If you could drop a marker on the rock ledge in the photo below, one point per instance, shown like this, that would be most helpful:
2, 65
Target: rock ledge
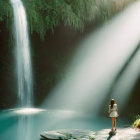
74, 134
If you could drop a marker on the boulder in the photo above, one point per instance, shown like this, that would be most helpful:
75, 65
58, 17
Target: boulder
74, 134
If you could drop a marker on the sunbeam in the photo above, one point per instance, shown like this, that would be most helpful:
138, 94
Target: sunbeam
98, 60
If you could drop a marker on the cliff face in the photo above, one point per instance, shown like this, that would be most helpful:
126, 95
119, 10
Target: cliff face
133, 105
7, 78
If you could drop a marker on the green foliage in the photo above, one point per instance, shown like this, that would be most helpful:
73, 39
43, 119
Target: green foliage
5, 11
44, 15
47, 14
136, 123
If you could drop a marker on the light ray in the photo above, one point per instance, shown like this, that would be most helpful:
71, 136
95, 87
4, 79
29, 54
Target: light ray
98, 60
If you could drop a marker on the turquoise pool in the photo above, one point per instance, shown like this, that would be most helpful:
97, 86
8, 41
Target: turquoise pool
21, 124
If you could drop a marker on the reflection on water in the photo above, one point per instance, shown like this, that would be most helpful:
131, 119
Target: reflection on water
15, 126
24, 128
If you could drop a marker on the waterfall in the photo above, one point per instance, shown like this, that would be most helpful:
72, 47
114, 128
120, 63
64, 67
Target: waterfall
22, 55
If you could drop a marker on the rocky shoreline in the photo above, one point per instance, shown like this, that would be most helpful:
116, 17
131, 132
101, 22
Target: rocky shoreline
76, 134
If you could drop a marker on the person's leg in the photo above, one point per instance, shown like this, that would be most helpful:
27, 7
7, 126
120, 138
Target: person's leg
112, 123
115, 123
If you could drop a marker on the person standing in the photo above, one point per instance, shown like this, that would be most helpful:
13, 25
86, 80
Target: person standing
113, 113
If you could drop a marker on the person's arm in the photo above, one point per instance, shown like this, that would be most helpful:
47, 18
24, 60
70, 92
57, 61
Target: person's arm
116, 108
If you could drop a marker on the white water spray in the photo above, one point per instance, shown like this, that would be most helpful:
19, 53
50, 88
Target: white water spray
22, 53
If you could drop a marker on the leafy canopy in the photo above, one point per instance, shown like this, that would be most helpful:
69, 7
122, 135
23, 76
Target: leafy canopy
47, 14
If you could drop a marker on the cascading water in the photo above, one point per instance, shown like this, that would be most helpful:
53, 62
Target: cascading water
22, 53
23, 67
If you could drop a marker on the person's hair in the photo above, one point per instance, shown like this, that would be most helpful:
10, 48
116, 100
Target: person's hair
112, 102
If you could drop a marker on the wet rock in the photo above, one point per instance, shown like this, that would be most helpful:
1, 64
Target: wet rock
75, 134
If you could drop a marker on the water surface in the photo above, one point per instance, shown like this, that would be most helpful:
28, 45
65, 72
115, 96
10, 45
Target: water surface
18, 124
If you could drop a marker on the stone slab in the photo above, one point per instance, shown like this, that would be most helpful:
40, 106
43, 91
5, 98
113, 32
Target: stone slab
74, 134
